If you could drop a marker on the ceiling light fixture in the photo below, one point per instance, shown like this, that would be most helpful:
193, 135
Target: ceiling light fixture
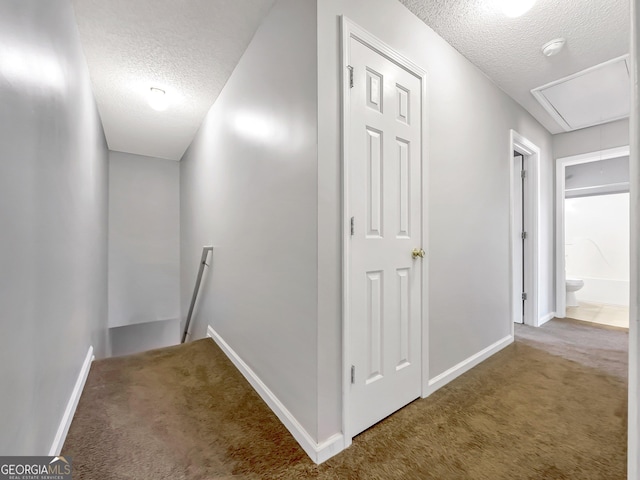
553, 47
158, 99
515, 8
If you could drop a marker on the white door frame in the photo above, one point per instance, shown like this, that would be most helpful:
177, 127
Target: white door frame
561, 165
352, 30
520, 144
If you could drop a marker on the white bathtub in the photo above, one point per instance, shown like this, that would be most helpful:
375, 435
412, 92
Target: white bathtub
602, 290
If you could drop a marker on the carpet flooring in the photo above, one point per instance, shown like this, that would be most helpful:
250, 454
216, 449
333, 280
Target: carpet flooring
532, 411
602, 347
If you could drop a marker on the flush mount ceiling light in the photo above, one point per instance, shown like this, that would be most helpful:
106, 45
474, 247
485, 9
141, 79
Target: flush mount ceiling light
514, 8
158, 99
553, 47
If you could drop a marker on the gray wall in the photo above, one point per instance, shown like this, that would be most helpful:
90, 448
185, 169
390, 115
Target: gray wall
140, 337
53, 217
271, 206
592, 139
468, 195
249, 188
144, 239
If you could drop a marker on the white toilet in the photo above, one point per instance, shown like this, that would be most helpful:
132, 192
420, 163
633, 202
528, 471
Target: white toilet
573, 285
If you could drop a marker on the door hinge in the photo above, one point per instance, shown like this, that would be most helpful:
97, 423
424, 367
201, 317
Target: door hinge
524, 296
523, 174
524, 235
353, 374
353, 225
350, 68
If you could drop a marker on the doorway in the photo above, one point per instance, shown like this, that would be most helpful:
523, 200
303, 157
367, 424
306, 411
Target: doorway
592, 235
384, 238
524, 174
520, 254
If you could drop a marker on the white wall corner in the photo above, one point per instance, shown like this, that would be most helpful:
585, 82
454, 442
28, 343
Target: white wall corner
545, 318
633, 446
318, 452
454, 372
72, 404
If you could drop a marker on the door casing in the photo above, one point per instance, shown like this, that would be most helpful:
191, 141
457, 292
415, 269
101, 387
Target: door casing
351, 30
520, 246
531, 152
561, 165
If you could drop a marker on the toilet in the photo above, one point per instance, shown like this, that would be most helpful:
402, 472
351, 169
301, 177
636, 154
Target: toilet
573, 285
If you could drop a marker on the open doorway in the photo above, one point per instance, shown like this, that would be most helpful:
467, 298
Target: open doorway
520, 222
524, 230
592, 201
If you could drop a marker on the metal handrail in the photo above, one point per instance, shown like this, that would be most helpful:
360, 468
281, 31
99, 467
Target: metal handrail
203, 263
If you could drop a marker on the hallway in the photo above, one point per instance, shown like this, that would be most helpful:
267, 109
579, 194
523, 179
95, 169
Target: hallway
133, 134
551, 406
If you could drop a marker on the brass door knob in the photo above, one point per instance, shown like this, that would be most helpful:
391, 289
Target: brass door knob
417, 252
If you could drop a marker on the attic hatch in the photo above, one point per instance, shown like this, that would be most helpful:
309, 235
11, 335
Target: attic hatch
594, 96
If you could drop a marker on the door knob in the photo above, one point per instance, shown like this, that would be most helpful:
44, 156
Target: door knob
417, 252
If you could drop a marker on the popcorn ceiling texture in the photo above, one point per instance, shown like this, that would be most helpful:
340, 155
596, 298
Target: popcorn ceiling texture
190, 47
186, 47
507, 50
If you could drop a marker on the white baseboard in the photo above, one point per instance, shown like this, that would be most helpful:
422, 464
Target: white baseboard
544, 319
318, 452
466, 365
65, 423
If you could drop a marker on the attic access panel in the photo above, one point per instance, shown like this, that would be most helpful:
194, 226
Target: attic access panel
594, 96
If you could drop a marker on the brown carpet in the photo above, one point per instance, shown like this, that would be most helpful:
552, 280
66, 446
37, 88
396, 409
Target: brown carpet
185, 413
602, 347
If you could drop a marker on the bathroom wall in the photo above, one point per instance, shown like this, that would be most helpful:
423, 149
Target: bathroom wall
602, 177
597, 247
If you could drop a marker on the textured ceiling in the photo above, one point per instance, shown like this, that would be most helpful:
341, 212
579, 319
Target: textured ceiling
186, 47
507, 50
190, 47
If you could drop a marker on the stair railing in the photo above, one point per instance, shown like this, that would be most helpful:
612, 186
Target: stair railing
203, 263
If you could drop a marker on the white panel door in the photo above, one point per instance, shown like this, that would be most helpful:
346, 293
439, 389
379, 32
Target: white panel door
384, 163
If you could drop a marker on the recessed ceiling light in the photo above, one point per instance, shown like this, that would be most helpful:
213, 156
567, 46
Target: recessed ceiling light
158, 99
553, 47
515, 8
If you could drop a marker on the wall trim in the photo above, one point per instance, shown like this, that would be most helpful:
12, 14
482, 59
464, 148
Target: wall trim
72, 404
532, 155
318, 452
454, 372
545, 318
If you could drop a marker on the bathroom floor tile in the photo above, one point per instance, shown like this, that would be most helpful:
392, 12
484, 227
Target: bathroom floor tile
613, 315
